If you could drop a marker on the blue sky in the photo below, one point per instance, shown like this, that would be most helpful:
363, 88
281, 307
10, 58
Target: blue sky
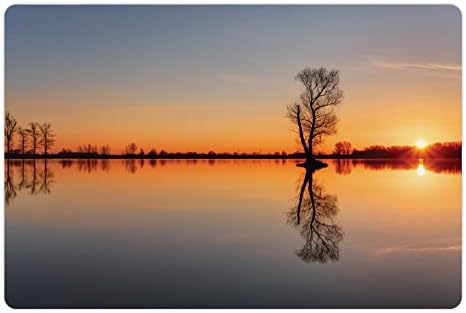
63, 62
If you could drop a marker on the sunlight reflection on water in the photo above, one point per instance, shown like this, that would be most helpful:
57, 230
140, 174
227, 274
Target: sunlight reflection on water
146, 233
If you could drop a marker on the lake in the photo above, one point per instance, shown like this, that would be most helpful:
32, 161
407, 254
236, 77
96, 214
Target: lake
232, 233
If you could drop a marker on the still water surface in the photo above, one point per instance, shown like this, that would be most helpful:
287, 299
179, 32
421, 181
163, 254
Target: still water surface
232, 233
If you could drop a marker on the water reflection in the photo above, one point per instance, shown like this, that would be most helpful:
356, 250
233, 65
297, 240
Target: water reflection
109, 226
130, 165
421, 171
314, 217
46, 179
87, 165
447, 166
35, 177
10, 189
343, 166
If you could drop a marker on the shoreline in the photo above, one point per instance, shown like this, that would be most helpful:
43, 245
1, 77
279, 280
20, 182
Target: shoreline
246, 157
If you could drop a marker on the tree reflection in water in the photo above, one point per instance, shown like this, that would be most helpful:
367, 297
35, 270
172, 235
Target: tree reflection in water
46, 179
33, 178
130, 165
87, 165
314, 216
10, 189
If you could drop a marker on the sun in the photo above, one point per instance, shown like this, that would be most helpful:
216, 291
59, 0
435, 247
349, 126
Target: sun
421, 143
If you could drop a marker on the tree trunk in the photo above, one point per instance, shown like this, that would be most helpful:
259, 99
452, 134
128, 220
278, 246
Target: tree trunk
310, 158
301, 134
301, 194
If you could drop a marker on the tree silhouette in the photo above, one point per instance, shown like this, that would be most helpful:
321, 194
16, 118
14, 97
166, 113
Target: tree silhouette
47, 136
34, 133
105, 150
10, 129
314, 112
131, 149
314, 217
87, 149
152, 153
23, 139
343, 148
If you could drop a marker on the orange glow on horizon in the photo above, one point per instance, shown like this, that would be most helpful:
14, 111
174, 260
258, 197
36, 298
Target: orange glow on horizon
178, 94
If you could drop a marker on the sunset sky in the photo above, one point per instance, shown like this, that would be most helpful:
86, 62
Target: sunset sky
219, 78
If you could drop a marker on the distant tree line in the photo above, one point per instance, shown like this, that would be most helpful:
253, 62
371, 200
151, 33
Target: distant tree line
437, 150
131, 151
36, 139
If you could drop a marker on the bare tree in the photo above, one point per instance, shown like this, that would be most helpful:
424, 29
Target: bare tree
23, 137
314, 112
47, 136
131, 149
105, 150
33, 132
10, 130
88, 149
